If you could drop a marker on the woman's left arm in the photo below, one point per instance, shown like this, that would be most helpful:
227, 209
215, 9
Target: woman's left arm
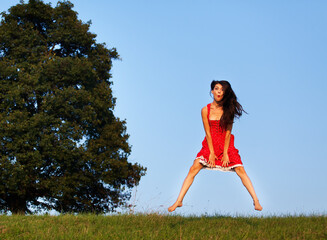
225, 159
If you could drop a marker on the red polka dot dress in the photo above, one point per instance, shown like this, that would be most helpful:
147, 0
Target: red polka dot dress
218, 140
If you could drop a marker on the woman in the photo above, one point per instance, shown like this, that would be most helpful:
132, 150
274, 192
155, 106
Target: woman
218, 151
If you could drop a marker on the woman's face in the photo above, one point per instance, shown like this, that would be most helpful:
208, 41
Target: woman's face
218, 92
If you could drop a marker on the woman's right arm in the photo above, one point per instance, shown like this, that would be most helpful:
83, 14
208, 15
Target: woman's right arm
212, 156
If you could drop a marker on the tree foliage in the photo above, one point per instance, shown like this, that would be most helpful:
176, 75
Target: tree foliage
61, 147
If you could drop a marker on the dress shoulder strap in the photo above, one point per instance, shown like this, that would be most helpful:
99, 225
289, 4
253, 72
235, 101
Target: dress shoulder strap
208, 106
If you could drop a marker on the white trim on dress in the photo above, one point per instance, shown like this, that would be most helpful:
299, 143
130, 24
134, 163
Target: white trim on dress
206, 165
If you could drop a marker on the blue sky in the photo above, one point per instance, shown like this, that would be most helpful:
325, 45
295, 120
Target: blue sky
274, 54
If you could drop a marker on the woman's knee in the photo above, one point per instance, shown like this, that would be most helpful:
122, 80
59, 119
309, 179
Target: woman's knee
240, 171
193, 169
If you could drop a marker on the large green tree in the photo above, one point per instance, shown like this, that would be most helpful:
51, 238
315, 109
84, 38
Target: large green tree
61, 147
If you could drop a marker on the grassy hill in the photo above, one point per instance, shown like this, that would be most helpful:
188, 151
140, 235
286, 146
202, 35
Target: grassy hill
154, 226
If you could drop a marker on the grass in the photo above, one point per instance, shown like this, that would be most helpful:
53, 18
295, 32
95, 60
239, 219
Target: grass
157, 226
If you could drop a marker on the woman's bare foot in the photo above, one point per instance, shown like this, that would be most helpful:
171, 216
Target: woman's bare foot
257, 205
174, 206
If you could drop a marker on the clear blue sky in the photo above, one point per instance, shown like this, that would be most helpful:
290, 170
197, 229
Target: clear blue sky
274, 53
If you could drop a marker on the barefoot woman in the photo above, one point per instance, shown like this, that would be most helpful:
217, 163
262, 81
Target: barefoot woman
218, 151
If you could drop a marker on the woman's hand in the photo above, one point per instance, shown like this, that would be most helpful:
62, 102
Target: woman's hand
212, 158
225, 160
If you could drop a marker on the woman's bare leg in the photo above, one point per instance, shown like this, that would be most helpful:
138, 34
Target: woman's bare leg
248, 184
196, 167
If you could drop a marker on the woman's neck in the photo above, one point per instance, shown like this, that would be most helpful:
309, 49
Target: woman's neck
216, 104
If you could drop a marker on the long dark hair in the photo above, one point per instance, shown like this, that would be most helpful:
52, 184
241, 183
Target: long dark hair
231, 107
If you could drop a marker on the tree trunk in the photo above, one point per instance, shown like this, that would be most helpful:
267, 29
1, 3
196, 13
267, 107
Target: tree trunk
18, 206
